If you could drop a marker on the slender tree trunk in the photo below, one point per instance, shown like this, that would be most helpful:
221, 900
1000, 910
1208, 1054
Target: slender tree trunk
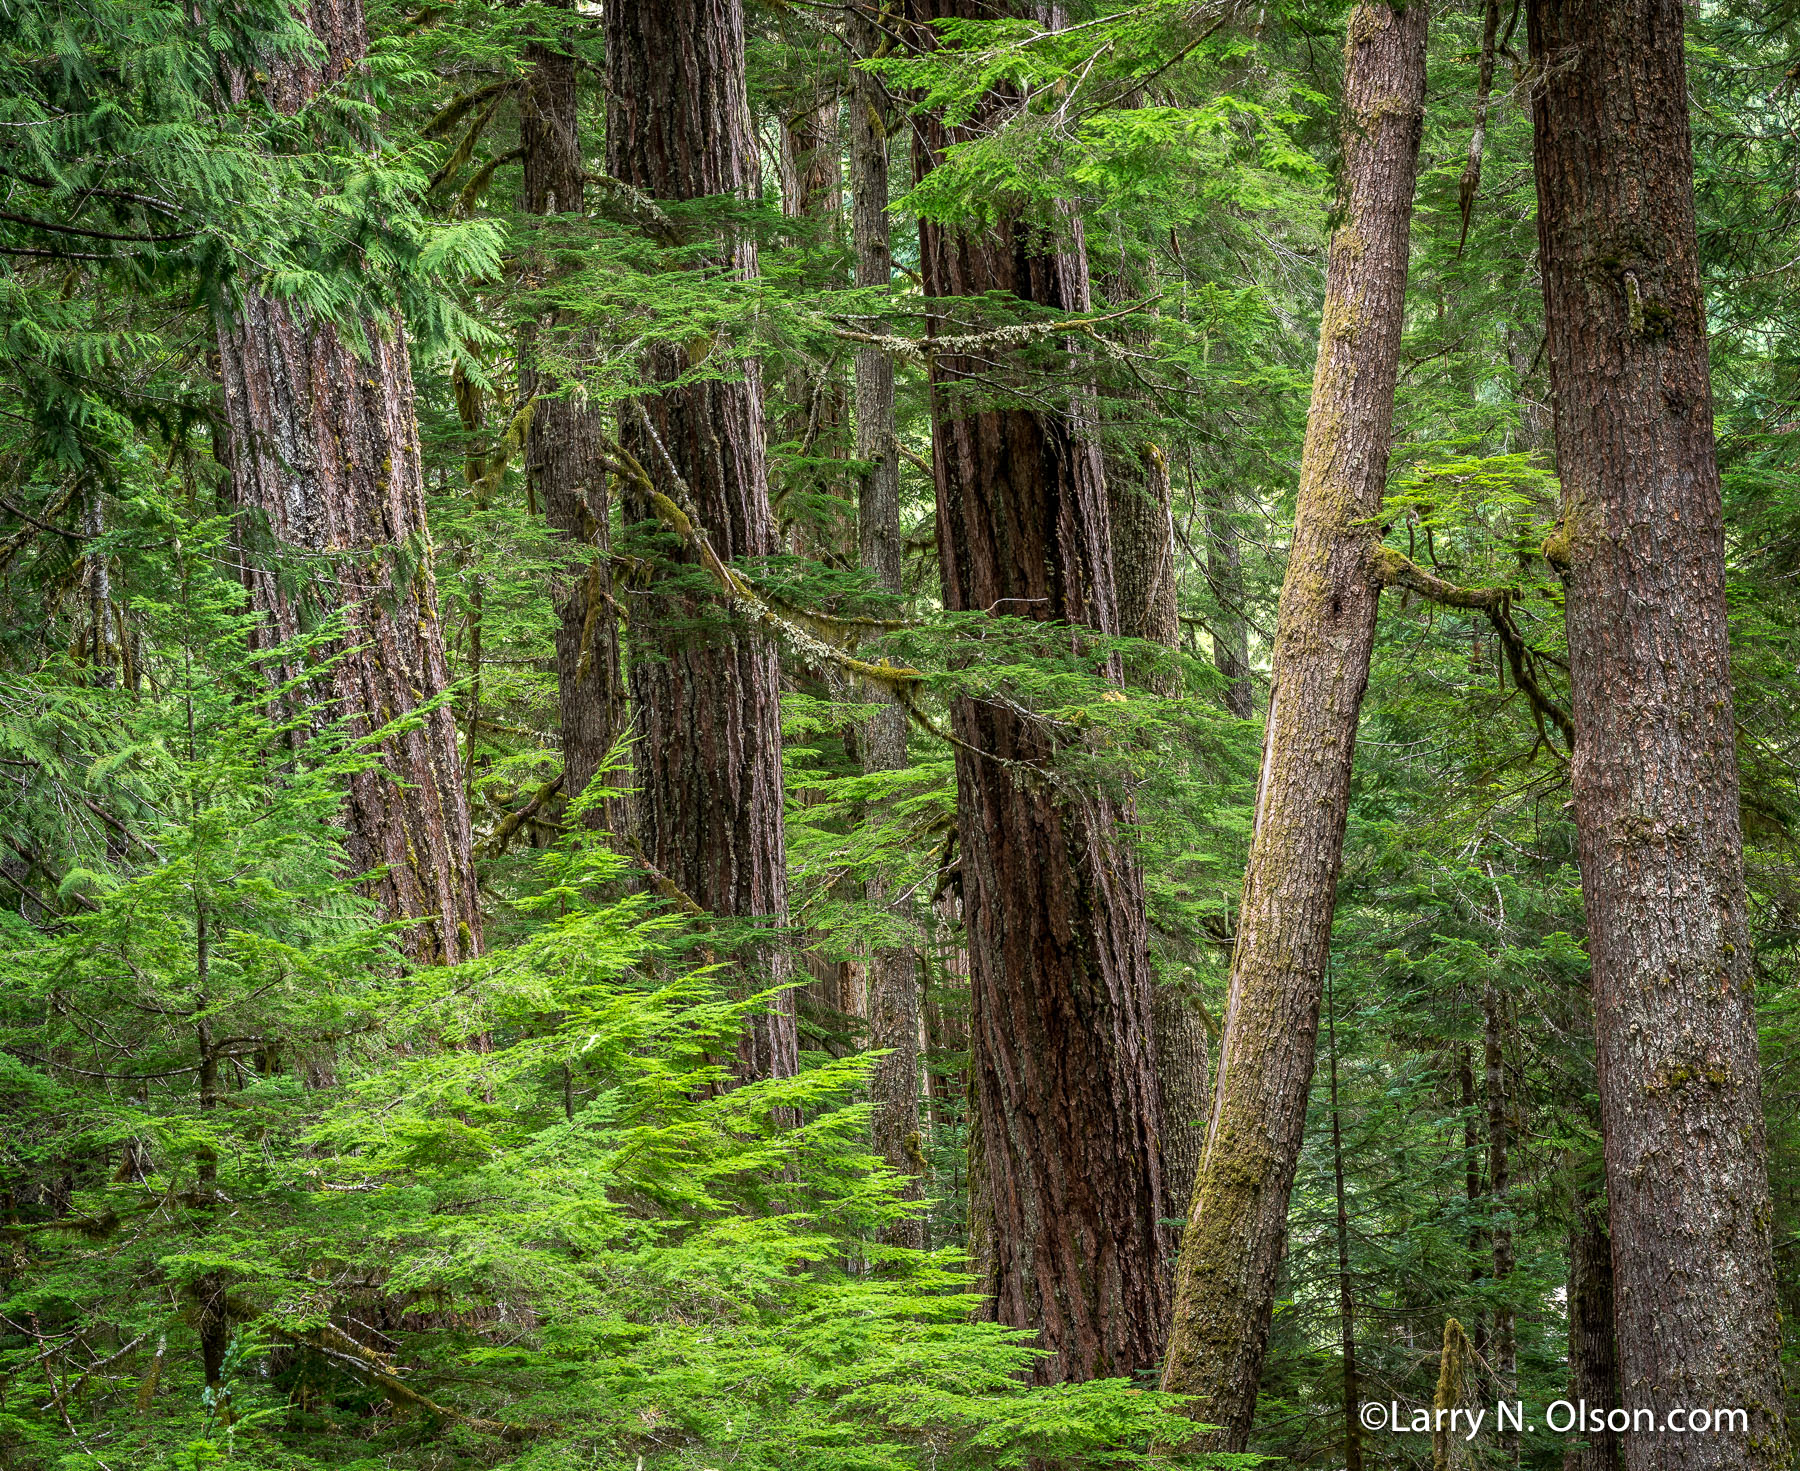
893, 971
1470, 184
1143, 541
1642, 553
563, 459
1062, 1052
1500, 1235
1472, 1188
1237, 1227
324, 449
1225, 575
1593, 1359
1346, 1298
812, 196
704, 690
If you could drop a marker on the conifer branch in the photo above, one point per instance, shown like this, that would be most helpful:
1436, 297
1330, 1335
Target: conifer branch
737, 589
347, 1351
1393, 569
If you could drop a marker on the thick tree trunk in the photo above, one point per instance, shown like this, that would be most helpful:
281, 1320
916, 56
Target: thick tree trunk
704, 690
1642, 552
1237, 1225
893, 972
324, 448
1143, 543
1593, 1361
1063, 1059
563, 459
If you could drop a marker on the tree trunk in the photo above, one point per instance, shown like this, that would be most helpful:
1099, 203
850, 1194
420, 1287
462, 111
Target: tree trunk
893, 972
563, 459
1593, 1361
704, 689
1237, 1227
324, 448
1654, 775
1346, 1297
1500, 1236
1143, 542
1062, 1052
1225, 575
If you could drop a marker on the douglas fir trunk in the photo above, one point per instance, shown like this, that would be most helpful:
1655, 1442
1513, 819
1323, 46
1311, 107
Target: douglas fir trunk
893, 972
1641, 549
1065, 1076
563, 459
324, 451
1237, 1225
704, 690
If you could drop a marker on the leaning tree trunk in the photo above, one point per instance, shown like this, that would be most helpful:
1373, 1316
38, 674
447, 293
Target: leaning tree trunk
1641, 549
893, 970
563, 457
704, 689
1064, 1069
1237, 1225
324, 451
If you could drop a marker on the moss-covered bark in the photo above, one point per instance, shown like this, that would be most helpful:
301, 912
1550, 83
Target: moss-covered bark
1237, 1222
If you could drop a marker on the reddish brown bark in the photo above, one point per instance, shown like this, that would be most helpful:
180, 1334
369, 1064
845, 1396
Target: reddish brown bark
1641, 548
563, 459
1064, 1068
703, 689
894, 991
324, 449
1237, 1224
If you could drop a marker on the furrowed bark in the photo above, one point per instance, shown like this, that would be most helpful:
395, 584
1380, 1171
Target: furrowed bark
564, 461
324, 449
704, 688
1654, 774
1143, 542
1237, 1224
894, 992
1064, 1068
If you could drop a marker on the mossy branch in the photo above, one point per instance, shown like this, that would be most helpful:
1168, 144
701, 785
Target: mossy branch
513, 821
333, 1343
736, 588
964, 344
1395, 570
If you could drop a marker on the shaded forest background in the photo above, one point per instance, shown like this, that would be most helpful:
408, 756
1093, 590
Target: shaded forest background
487, 970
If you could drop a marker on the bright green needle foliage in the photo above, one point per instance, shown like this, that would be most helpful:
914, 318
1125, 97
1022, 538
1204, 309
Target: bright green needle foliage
504, 1214
270, 1199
